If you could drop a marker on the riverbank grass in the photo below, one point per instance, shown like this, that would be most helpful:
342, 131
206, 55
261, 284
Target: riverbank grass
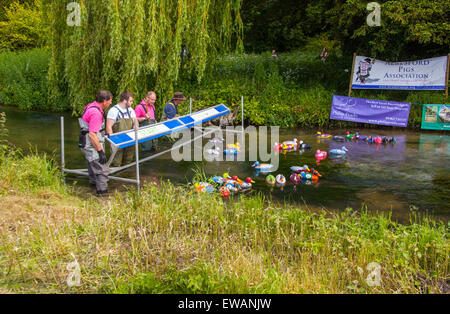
170, 240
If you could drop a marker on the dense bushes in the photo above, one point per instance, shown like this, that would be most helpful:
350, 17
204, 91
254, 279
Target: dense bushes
22, 26
23, 77
294, 90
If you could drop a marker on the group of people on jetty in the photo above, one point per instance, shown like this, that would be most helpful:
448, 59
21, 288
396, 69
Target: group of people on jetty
121, 117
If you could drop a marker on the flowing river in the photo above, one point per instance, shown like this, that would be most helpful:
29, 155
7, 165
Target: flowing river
412, 175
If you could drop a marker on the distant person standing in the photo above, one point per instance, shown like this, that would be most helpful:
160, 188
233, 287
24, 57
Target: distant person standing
171, 108
324, 54
274, 54
145, 112
121, 118
92, 141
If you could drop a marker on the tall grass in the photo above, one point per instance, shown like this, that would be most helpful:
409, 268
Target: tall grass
170, 240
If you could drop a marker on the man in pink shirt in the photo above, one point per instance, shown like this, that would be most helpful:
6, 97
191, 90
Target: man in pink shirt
145, 113
92, 141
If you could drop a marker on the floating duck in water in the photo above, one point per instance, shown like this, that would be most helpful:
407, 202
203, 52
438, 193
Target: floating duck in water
215, 151
321, 154
375, 139
280, 179
236, 145
287, 145
302, 145
262, 167
308, 176
270, 180
386, 140
298, 169
231, 151
305, 173
295, 178
320, 135
341, 151
338, 138
351, 136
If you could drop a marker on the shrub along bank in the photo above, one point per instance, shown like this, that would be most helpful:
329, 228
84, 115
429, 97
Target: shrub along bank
294, 90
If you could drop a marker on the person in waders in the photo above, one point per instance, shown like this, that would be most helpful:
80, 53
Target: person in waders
145, 113
120, 118
171, 109
92, 141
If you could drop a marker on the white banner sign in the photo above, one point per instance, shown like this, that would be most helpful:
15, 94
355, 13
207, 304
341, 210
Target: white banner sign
421, 74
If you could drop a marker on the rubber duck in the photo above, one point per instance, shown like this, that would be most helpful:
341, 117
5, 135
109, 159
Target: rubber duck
321, 154
349, 136
320, 135
224, 191
338, 138
215, 151
231, 186
280, 179
302, 145
287, 145
231, 151
270, 180
236, 146
341, 151
298, 169
375, 139
203, 187
235, 178
308, 176
262, 167
295, 178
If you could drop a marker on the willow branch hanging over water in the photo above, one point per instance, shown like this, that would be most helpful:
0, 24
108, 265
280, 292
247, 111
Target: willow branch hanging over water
135, 45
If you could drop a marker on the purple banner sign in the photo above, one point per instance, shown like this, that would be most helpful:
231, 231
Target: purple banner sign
371, 111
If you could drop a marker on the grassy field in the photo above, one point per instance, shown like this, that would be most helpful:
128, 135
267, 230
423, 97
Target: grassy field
170, 240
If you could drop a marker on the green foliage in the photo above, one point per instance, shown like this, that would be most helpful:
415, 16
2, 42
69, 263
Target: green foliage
23, 26
135, 45
28, 173
23, 80
409, 29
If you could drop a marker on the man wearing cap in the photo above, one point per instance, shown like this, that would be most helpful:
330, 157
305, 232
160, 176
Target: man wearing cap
171, 108
92, 141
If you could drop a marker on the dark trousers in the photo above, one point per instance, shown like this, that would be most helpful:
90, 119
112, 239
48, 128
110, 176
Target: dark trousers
98, 175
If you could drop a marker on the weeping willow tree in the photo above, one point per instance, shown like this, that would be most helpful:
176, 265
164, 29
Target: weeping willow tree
135, 45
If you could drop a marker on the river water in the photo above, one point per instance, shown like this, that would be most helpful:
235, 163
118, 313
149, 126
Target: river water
412, 175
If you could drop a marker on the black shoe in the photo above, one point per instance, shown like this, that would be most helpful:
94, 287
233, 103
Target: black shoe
104, 192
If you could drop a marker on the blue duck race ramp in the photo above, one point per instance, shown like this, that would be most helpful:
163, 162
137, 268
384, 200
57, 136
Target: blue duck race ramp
150, 132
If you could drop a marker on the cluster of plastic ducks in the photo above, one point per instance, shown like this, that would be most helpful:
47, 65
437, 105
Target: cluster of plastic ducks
225, 184
299, 174
231, 149
369, 139
293, 145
